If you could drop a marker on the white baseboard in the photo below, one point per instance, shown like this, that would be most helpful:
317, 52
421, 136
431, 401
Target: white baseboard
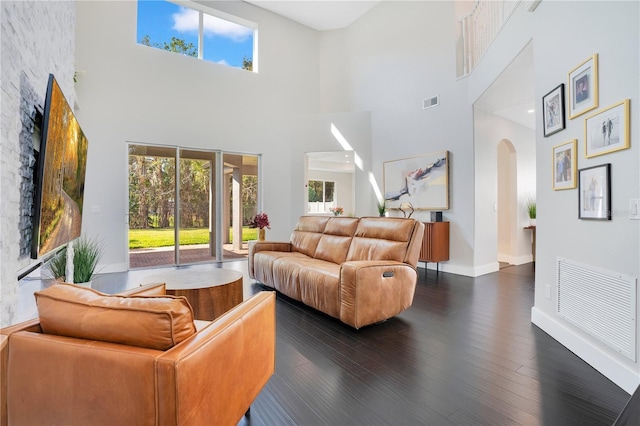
462, 270
486, 269
521, 260
598, 358
515, 260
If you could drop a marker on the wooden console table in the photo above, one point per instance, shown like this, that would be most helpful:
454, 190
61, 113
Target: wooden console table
210, 293
435, 243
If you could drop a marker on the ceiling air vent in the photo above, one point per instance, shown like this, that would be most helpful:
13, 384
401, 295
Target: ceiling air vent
431, 102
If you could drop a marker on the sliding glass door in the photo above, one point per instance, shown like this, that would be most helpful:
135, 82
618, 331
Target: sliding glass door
197, 212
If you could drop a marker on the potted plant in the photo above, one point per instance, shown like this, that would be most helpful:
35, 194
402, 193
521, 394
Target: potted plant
337, 211
531, 211
382, 209
86, 254
261, 221
58, 265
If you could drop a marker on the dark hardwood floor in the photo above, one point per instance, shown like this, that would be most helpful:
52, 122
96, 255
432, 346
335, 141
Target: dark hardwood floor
465, 353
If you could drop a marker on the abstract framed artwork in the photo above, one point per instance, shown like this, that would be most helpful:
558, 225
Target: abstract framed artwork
553, 111
607, 130
594, 193
564, 165
421, 182
583, 87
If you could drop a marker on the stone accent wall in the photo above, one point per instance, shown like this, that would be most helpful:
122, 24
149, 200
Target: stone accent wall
29, 102
37, 38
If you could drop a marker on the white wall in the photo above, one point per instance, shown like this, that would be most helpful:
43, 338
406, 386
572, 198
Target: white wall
312, 133
37, 39
610, 29
387, 62
130, 92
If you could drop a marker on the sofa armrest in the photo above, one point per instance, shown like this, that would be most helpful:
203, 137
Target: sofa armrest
59, 380
217, 373
32, 325
258, 246
372, 291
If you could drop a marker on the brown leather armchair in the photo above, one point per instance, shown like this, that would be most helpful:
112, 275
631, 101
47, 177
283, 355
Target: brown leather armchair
211, 377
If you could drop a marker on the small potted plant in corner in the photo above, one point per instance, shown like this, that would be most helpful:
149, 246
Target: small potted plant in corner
382, 209
261, 221
58, 265
531, 211
86, 254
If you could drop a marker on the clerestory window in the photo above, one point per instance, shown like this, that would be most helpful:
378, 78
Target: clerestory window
194, 30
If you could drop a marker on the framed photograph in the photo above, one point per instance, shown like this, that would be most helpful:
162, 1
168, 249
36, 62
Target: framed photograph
419, 182
583, 87
565, 165
594, 193
607, 130
553, 111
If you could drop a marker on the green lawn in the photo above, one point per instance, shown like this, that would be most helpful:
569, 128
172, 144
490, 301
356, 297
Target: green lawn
147, 238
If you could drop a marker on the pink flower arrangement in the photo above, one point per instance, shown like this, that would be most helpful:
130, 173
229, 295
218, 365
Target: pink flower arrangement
336, 210
261, 221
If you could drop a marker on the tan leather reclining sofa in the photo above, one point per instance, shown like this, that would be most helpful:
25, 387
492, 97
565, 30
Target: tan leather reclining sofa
359, 270
166, 369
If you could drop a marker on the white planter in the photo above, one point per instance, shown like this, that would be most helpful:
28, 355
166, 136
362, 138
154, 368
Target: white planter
87, 284
532, 222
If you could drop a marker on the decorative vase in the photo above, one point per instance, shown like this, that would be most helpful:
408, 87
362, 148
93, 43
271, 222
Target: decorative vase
261, 233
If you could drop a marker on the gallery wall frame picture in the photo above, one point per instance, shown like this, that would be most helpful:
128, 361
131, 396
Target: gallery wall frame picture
583, 87
565, 165
594, 192
553, 114
607, 130
422, 181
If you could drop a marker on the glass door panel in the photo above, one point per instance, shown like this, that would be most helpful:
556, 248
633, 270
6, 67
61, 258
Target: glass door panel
151, 206
240, 203
196, 235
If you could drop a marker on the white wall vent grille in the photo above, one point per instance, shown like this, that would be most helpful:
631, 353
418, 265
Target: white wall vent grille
602, 303
431, 102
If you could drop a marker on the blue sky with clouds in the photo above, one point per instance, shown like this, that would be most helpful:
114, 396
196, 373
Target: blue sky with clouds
224, 42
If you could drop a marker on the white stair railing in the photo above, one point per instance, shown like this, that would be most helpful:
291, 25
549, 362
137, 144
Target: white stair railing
480, 27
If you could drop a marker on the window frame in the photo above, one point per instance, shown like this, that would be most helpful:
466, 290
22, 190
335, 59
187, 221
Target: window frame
202, 9
326, 205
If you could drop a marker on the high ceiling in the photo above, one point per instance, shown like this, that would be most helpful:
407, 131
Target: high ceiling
321, 15
510, 96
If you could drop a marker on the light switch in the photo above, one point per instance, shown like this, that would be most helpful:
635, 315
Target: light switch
95, 209
634, 209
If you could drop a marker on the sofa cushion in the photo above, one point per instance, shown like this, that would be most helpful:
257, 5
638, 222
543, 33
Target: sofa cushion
381, 239
334, 244
155, 322
307, 233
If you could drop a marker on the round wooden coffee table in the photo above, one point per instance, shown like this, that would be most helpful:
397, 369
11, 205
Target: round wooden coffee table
210, 293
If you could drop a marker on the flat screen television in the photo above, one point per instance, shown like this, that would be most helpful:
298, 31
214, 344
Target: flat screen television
60, 175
